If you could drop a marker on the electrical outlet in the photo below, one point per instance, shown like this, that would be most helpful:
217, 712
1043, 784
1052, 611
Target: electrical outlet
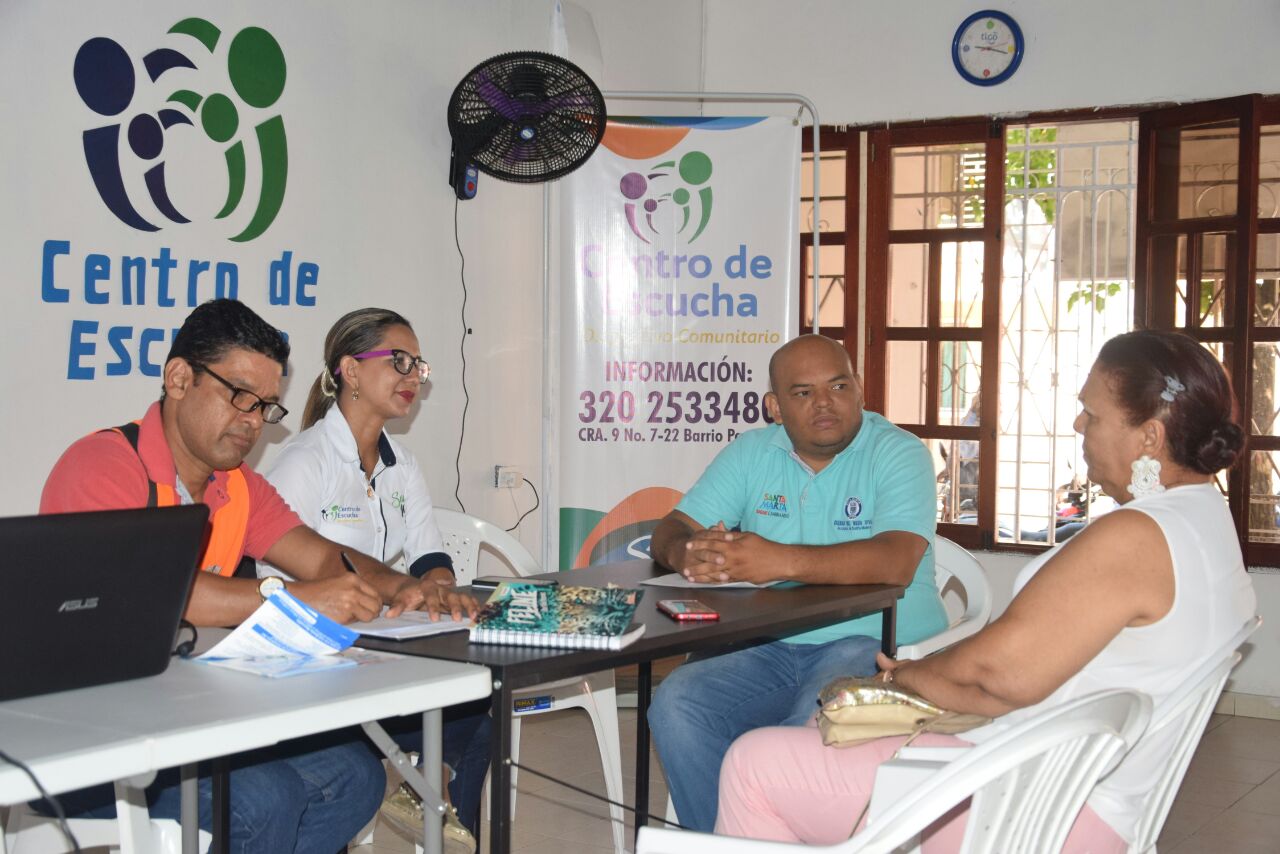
506, 477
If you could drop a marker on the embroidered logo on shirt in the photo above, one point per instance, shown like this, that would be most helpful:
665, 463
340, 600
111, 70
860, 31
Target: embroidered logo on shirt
397, 501
340, 513
851, 522
773, 504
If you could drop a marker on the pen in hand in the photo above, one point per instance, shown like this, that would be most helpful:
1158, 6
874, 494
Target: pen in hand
351, 568
346, 561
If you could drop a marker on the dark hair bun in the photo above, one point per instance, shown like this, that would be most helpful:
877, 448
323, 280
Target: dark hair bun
1169, 376
1219, 449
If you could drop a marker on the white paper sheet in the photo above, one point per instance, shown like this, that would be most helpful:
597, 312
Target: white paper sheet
410, 624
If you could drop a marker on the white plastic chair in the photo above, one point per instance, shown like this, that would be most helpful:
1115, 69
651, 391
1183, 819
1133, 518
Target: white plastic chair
463, 536
1186, 713
133, 830
954, 566
1027, 785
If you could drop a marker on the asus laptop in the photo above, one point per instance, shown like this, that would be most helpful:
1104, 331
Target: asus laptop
92, 598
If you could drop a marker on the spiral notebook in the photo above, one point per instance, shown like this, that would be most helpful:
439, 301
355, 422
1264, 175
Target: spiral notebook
566, 616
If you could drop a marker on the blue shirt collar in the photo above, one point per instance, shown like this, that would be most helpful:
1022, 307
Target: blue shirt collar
783, 442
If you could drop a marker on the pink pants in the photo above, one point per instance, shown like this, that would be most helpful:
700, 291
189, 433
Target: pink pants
782, 784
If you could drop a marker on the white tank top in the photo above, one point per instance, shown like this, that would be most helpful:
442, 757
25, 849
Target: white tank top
1212, 599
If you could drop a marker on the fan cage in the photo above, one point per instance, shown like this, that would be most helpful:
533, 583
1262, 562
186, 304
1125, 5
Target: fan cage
526, 117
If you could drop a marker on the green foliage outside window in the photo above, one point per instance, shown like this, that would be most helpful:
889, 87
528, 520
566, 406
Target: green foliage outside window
1093, 294
1028, 168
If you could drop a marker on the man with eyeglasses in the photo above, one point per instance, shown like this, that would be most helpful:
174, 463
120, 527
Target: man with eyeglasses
221, 384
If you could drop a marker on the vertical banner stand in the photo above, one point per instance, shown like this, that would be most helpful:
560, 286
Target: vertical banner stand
550, 489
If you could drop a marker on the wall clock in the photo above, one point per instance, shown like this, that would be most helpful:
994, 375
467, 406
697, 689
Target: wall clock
987, 48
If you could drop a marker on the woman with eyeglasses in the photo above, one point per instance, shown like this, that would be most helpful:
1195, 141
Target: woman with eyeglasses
351, 482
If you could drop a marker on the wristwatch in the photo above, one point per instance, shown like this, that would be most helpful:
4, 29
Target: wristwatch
270, 585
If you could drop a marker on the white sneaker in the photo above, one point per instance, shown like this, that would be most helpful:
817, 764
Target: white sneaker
402, 809
457, 839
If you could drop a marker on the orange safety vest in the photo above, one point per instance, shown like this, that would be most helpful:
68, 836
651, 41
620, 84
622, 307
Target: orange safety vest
226, 541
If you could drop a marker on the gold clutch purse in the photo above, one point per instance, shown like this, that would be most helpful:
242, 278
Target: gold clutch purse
856, 709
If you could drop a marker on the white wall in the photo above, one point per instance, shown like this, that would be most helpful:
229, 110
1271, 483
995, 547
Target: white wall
861, 62
869, 61
367, 200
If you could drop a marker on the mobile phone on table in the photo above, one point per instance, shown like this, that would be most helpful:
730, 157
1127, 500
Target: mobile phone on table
687, 609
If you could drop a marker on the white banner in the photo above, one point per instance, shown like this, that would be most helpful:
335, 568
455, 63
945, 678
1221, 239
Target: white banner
680, 250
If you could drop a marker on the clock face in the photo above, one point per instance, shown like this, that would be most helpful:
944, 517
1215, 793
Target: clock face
987, 48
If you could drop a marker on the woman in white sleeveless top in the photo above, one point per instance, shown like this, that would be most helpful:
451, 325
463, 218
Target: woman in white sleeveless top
1136, 600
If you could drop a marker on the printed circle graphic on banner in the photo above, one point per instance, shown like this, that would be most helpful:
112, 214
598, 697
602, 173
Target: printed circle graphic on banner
633, 185
681, 213
695, 168
623, 533
107, 80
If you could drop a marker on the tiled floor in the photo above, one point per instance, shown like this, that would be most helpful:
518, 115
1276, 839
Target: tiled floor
551, 819
1229, 803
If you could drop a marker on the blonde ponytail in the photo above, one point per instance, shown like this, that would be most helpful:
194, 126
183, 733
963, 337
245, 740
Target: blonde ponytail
355, 332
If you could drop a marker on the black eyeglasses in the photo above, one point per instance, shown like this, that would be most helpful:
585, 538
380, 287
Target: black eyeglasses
403, 361
245, 400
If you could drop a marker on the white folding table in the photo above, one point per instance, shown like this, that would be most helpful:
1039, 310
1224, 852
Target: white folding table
194, 712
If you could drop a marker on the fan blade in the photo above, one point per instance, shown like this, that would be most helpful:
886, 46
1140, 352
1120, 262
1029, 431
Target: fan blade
503, 104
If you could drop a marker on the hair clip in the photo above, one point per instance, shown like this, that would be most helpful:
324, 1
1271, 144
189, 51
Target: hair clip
1172, 388
328, 385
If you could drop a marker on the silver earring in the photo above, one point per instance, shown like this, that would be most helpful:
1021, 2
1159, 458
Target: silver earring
1145, 477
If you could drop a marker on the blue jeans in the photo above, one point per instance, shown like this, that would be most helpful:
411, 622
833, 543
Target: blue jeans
708, 702
310, 796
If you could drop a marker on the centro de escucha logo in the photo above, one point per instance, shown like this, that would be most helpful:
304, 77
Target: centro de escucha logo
648, 192
106, 80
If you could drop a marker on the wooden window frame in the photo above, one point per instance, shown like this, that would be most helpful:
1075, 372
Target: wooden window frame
1156, 309
878, 333
1151, 310
848, 141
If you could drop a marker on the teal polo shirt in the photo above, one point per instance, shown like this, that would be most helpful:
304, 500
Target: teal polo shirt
884, 481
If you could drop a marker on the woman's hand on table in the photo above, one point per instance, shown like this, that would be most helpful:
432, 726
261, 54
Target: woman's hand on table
436, 594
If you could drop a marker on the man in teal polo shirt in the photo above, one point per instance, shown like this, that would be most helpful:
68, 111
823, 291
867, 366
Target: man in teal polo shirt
829, 494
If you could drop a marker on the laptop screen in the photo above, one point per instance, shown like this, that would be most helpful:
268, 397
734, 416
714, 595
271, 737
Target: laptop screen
92, 598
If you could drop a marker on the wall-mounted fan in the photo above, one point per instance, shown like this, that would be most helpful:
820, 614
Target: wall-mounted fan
526, 117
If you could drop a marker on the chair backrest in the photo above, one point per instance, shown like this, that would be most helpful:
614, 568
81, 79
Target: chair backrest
464, 534
951, 561
968, 608
1185, 713
1027, 784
